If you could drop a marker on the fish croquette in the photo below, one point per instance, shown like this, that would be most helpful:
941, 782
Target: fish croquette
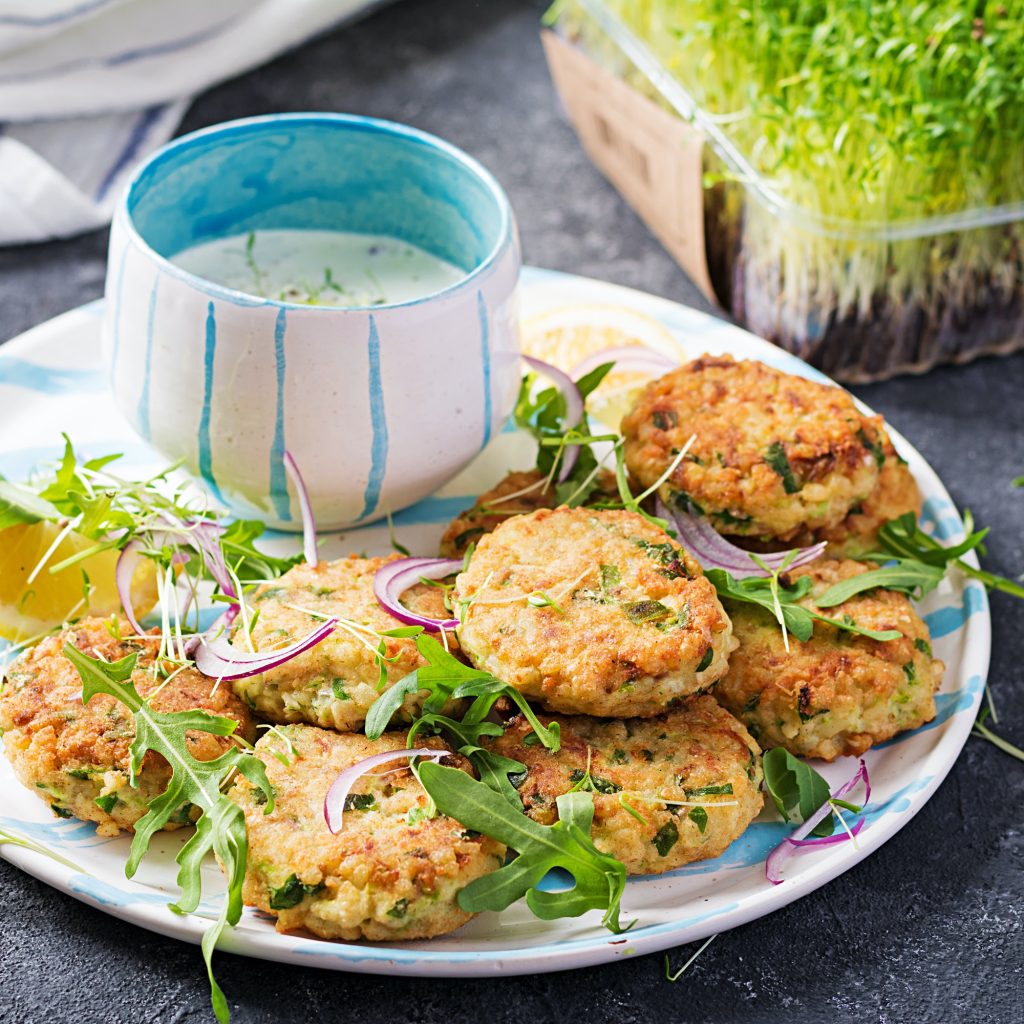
837, 693
591, 612
75, 756
773, 454
517, 494
334, 683
667, 791
391, 872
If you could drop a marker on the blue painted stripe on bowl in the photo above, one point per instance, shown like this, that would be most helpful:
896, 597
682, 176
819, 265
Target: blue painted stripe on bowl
485, 358
379, 423
209, 356
434, 510
147, 369
278, 477
115, 346
48, 380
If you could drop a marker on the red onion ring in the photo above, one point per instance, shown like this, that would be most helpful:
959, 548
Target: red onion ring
574, 408
627, 357
789, 845
127, 562
218, 659
393, 579
308, 522
334, 801
713, 551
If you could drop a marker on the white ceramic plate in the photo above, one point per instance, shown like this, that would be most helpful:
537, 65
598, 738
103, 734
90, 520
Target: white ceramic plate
41, 396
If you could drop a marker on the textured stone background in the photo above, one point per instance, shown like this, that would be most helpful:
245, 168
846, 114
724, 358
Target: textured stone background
928, 929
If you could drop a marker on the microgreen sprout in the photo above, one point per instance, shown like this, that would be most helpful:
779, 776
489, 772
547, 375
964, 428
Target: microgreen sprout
669, 976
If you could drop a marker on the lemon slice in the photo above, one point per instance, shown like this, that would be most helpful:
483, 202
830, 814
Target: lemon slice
567, 335
28, 609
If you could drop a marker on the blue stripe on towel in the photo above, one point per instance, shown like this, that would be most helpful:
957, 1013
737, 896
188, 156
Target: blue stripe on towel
136, 139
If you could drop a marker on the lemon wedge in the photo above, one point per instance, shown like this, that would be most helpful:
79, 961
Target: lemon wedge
567, 335
28, 609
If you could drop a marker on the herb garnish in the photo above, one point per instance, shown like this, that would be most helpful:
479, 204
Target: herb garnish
914, 563
221, 824
599, 879
798, 790
777, 459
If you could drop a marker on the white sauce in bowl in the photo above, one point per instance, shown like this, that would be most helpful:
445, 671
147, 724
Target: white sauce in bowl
321, 268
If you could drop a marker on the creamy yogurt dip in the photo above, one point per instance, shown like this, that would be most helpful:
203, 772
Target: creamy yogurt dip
321, 268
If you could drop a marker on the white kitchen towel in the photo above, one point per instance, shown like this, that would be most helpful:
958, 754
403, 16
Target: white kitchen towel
89, 87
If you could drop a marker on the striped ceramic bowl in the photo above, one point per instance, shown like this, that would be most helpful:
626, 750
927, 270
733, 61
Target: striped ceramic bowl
379, 406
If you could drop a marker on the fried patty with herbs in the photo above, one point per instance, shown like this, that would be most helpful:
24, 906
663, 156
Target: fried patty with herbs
392, 872
838, 693
75, 756
591, 612
667, 790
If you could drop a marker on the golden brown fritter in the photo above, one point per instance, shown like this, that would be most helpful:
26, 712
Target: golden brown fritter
698, 757
334, 683
838, 693
75, 756
591, 612
392, 872
773, 454
518, 494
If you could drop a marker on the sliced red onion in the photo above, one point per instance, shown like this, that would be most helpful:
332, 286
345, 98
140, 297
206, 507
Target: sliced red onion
127, 563
393, 579
713, 551
334, 802
308, 523
220, 660
789, 845
627, 357
573, 408
841, 837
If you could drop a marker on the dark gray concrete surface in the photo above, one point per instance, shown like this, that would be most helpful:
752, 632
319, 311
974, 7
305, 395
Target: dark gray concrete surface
928, 929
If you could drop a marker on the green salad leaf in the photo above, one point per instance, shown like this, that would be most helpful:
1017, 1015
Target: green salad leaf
221, 825
796, 789
599, 879
783, 603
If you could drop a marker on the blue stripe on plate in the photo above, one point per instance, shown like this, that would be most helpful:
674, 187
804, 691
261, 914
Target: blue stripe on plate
147, 369
379, 423
278, 477
485, 358
209, 355
947, 705
48, 380
951, 617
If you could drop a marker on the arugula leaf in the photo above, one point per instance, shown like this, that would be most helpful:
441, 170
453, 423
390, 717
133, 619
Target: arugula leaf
798, 620
599, 879
221, 826
20, 505
905, 575
796, 788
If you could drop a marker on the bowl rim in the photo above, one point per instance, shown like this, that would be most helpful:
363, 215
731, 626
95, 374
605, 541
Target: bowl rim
357, 122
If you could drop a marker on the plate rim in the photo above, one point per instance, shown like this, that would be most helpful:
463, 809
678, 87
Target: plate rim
376, 958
